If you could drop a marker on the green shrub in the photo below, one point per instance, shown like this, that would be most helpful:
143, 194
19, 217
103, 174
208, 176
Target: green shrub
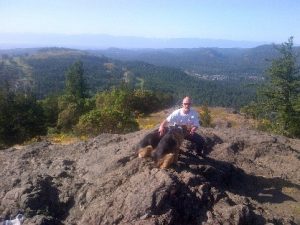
106, 121
205, 116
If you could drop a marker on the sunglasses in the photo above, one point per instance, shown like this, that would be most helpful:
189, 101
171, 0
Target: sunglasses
186, 103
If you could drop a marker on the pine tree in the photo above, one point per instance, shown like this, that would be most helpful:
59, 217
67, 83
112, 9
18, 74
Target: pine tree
71, 104
75, 83
282, 91
21, 118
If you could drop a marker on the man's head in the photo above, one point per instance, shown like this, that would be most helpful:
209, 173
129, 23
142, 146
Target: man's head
186, 104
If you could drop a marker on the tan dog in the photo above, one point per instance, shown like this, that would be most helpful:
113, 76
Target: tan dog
168, 148
147, 145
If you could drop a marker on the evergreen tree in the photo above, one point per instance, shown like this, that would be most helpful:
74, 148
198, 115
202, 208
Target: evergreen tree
72, 105
21, 118
50, 107
278, 100
75, 83
283, 89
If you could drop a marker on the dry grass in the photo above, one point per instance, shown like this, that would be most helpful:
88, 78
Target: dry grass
218, 114
236, 120
65, 139
153, 120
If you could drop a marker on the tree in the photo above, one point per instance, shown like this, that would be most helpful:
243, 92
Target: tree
21, 118
205, 116
71, 105
278, 100
75, 83
50, 107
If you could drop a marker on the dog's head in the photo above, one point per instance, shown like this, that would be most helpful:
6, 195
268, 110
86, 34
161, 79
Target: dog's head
181, 130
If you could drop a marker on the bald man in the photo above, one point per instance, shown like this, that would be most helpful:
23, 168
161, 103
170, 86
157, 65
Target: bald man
188, 117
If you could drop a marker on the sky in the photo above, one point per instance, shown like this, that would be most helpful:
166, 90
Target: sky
249, 20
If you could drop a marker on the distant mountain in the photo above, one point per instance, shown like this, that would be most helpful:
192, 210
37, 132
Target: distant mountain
96, 41
227, 62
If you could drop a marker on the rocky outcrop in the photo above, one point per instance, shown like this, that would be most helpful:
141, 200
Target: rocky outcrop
243, 176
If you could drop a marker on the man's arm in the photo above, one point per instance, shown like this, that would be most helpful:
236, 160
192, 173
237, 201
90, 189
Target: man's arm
161, 128
196, 123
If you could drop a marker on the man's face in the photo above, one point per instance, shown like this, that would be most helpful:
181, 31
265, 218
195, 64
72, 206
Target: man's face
186, 104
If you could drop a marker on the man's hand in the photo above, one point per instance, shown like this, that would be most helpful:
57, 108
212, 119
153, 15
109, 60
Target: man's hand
161, 130
193, 130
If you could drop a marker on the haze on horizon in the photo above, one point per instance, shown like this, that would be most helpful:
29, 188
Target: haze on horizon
253, 21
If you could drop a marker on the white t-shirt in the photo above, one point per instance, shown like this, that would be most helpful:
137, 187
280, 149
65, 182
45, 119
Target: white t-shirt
191, 119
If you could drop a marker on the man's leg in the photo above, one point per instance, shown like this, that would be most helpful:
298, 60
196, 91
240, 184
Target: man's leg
198, 141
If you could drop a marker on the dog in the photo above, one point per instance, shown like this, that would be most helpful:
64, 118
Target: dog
168, 148
147, 145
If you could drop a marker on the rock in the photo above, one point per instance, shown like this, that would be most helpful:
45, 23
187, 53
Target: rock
102, 181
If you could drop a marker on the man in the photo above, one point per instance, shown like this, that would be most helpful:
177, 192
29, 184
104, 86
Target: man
188, 117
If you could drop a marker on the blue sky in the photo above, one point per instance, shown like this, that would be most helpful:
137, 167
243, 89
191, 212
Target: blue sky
251, 20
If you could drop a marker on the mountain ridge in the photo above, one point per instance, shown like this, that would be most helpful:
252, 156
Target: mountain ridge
210, 61
94, 41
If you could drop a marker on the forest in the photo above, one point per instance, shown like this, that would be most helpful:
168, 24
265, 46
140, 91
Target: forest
231, 62
43, 72
54, 90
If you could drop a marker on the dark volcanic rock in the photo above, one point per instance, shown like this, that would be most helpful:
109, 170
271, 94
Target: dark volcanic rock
101, 181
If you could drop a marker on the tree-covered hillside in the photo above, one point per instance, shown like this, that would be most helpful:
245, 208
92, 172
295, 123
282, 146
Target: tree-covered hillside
230, 93
231, 62
57, 90
43, 71
46, 69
